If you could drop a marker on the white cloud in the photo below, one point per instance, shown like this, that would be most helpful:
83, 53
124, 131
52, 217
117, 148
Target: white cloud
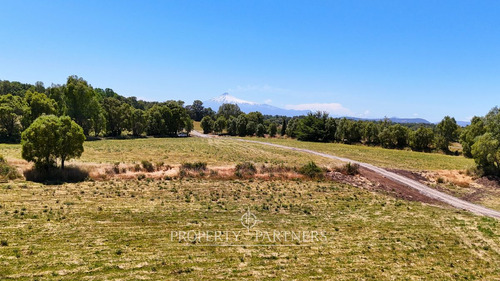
268, 101
332, 108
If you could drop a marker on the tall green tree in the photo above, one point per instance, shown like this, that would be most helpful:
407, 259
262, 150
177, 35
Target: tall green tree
273, 129
261, 130
50, 138
82, 102
241, 125
470, 134
283, 127
38, 104
196, 110
220, 124
117, 115
12, 110
138, 121
228, 109
446, 132
207, 124
421, 139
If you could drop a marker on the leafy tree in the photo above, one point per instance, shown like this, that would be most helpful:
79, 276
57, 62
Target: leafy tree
292, 127
486, 153
175, 122
370, 133
188, 124
470, 133
50, 138
229, 109
446, 131
138, 121
71, 140
38, 104
394, 136
156, 120
56, 92
117, 115
256, 117
241, 125
232, 126
273, 129
492, 122
12, 109
82, 102
207, 124
196, 110
330, 130
283, 127
220, 124
261, 130
312, 127
251, 128
421, 139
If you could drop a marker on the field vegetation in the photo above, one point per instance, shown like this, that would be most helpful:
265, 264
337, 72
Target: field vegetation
121, 229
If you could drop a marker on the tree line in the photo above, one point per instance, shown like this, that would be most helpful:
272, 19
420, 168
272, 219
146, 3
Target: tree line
319, 127
99, 112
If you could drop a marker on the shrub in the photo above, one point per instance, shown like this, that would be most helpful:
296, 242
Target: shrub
6, 171
159, 165
311, 170
195, 166
148, 166
349, 169
55, 176
116, 168
137, 168
245, 168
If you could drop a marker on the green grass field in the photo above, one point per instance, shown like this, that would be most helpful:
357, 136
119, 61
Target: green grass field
221, 151
387, 158
224, 151
121, 230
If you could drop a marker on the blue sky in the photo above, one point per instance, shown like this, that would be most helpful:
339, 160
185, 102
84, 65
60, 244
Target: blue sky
420, 58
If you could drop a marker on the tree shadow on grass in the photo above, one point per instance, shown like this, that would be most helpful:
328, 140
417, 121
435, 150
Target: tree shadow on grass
54, 175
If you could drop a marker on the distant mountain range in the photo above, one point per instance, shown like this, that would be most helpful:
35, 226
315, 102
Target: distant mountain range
266, 109
249, 106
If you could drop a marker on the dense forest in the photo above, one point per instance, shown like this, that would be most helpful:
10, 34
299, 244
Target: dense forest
105, 113
99, 112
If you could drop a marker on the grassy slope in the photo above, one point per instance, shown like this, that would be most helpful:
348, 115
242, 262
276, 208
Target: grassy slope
388, 158
120, 229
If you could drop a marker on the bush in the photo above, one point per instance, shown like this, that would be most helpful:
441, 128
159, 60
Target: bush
195, 166
349, 169
311, 170
159, 165
148, 166
245, 168
56, 176
7, 172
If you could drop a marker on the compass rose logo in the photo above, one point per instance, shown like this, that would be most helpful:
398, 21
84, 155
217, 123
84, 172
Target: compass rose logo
249, 220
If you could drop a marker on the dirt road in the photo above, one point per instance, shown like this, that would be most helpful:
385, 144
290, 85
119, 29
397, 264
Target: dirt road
422, 188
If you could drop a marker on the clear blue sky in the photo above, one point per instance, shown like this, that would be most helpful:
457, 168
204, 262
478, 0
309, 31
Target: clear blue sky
367, 58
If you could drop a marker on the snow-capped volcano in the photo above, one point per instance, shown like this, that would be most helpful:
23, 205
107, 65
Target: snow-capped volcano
249, 106
227, 98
